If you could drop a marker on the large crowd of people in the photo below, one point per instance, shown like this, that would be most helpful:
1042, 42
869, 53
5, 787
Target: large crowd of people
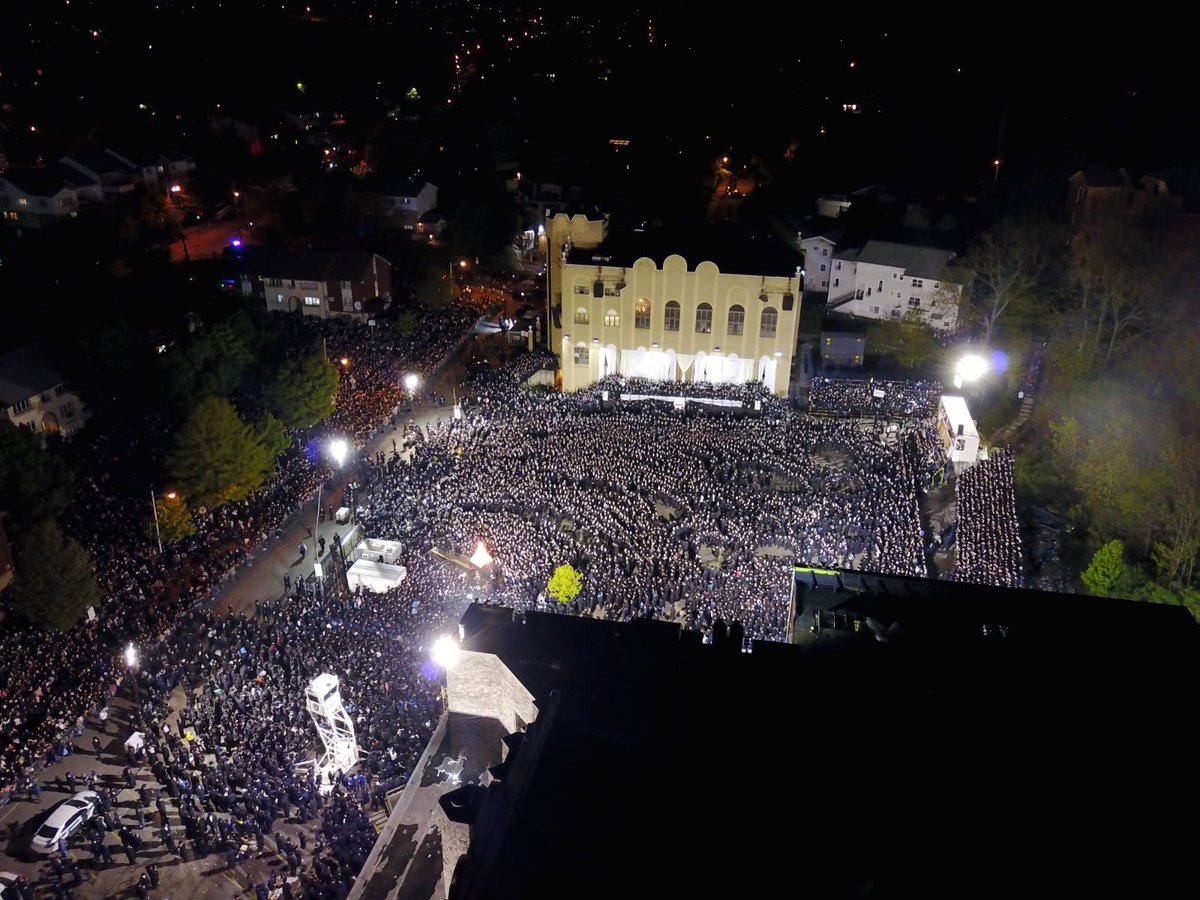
872, 397
694, 515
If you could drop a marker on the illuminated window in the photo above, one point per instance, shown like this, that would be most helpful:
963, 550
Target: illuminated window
612, 319
703, 319
581, 356
582, 317
22, 201
737, 320
671, 316
768, 323
641, 314
312, 301
582, 289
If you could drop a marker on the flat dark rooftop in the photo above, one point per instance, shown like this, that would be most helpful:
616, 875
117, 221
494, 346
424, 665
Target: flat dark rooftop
961, 766
733, 250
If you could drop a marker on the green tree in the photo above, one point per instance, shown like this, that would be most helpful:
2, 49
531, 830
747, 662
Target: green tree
916, 344
35, 482
1107, 573
483, 224
302, 391
213, 361
565, 584
406, 322
54, 584
175, 520
273, 435
217, 457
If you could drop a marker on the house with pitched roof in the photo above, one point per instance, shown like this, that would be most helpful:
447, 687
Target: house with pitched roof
317, 283
885, 280
35, 396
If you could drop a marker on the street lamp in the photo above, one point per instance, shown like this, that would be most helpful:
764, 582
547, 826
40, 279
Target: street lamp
176, 189
337, 449
154, 509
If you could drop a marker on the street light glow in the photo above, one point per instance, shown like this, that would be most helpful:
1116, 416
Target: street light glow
337, 449
444, 652
131, 656
411, 381
971, 367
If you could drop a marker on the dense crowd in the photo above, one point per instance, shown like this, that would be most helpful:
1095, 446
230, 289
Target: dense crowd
988, 534
49, 680
871, 397
694, 516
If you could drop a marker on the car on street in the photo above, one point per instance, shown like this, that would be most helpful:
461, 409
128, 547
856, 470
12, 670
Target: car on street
64, 820
8, 886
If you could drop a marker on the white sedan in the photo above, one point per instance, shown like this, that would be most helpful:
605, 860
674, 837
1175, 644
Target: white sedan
63, 821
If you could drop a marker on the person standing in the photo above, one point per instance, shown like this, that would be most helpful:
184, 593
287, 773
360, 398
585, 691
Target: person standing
303, 551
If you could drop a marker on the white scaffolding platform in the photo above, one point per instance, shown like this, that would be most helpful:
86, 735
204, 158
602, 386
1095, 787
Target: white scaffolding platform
334, 726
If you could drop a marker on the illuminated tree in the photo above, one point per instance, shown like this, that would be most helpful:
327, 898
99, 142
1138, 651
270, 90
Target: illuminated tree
217, 457
175, 520
565, 584
1107, 572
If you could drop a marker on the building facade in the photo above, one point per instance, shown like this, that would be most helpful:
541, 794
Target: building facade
347, 283
674, 322
36, 397
882, 280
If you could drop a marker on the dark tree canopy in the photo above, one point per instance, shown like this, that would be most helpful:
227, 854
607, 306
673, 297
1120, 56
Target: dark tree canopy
54, 584
217, 457
301, 393
213, 361
35, 482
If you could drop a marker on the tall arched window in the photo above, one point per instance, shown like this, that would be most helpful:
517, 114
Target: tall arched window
737, 320
768, 323
641, 313
612, 319
581, 316
671, 316
704, 319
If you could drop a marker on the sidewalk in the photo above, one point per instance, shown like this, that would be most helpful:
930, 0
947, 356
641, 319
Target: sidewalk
262, 578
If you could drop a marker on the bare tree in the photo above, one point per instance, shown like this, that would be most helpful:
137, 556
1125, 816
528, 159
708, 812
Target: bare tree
1010, 262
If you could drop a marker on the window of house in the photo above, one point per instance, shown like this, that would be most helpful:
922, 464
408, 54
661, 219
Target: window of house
824, 251
60, 389
312, 301
346, 285
875, 309
828, 342
641, 313
824, 284
671, 316
914, 302
612, 319
19, 407
868, 292
30, 425
67, 409
582, 289
858, 294
611, 291
279, 298
917, 282
582, 317
880, 284
22, 201
10, 215
768, 323
737, 320
836, 282
822, 267
582, 356
703, 319
838, 265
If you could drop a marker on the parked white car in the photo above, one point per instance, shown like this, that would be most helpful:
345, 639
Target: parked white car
8, 886
63, 821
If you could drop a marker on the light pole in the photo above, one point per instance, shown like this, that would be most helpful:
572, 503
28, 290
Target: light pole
175, 191
411, 380
154, 509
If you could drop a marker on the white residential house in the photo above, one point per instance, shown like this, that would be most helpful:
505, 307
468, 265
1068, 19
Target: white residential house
883, 280
36, 397
401, 204
818, 250
35, 198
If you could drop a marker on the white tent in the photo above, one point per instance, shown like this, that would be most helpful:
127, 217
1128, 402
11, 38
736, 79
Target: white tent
375, 576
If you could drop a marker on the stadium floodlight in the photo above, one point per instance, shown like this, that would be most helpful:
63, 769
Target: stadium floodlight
411, 381
131, 656
971, 367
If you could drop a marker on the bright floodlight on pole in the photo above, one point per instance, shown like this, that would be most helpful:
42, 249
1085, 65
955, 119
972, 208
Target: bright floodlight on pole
411, 381
444, 652
971, 367
337, 449
131, 656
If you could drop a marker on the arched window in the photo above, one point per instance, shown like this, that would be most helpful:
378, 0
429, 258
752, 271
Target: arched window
671, 316
582, 317
770, 319
704, 319
641, 313
612, 319
582, 356
737, 320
